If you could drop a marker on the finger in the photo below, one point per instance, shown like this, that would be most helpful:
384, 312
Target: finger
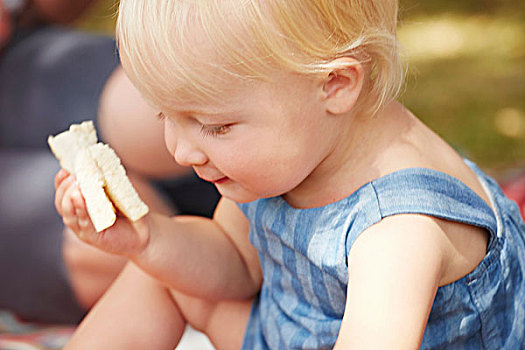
71, 222
78, 199
87, 231
68, 210
61, 190
84, 221
60, 176
82, 232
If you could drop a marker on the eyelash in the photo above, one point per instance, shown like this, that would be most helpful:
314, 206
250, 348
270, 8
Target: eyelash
215, 130
206, 130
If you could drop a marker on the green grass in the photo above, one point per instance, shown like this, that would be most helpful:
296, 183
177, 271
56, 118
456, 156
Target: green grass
466, 72
467, 77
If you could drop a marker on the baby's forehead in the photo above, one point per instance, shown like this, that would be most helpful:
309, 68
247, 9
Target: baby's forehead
216, 32
212, 52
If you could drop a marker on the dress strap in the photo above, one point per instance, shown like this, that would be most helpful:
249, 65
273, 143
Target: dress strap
431, 192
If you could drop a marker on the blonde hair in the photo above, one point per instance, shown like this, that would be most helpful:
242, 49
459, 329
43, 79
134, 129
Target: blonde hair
160, 48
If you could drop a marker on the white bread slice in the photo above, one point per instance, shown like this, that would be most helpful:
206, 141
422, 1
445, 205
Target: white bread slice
91, 182
97, 178
70, 148
67, 144
118, 186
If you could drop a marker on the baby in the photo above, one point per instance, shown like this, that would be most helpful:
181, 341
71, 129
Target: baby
344, 221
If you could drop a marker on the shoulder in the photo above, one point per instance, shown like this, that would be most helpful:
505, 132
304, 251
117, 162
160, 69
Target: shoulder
419, 238
394, 270
408, 249
441, 249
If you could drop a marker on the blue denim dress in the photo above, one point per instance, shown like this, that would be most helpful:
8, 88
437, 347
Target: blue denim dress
303, 254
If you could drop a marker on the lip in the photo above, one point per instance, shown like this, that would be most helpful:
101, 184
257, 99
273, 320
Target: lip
220, 181
210, 177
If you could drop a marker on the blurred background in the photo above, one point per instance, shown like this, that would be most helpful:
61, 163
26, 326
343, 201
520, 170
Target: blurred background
466, 80
466, 76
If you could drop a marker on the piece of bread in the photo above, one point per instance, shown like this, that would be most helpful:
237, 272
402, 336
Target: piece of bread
100, 175
91, 182
118, 186
66, 145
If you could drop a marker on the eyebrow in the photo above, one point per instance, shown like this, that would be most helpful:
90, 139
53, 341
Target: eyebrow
192, 112
195, 113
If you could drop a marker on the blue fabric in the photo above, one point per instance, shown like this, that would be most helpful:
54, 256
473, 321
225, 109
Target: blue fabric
303, 253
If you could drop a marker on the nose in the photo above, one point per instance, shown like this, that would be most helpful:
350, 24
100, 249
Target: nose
183, 149
187, 154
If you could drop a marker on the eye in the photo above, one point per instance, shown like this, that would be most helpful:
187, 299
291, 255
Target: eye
215, 130
161, 116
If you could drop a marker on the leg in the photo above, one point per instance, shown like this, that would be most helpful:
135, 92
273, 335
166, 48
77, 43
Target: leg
135, 313
125, 118
139, 313
223, 322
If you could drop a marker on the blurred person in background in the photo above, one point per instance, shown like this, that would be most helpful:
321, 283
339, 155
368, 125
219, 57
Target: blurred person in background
50, 77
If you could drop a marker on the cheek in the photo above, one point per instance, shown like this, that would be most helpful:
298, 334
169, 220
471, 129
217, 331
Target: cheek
261, 167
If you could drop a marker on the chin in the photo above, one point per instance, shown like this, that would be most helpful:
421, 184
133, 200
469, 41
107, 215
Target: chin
241, 195
241, 199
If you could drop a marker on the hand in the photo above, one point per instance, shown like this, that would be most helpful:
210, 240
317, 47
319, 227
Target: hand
5, 26
124, 238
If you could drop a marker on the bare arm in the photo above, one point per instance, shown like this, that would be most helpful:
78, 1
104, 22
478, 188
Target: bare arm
394, 271
208, 258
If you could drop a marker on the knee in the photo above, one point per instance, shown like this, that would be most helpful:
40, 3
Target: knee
124, 117
195, 311
119, 106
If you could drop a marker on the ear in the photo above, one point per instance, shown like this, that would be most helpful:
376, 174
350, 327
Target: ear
342, 86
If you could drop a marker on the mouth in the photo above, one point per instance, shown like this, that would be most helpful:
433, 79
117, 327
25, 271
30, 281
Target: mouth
210, 178
220, 181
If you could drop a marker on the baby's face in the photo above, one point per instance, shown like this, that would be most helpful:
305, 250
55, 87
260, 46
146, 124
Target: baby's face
264, 138
263, 141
